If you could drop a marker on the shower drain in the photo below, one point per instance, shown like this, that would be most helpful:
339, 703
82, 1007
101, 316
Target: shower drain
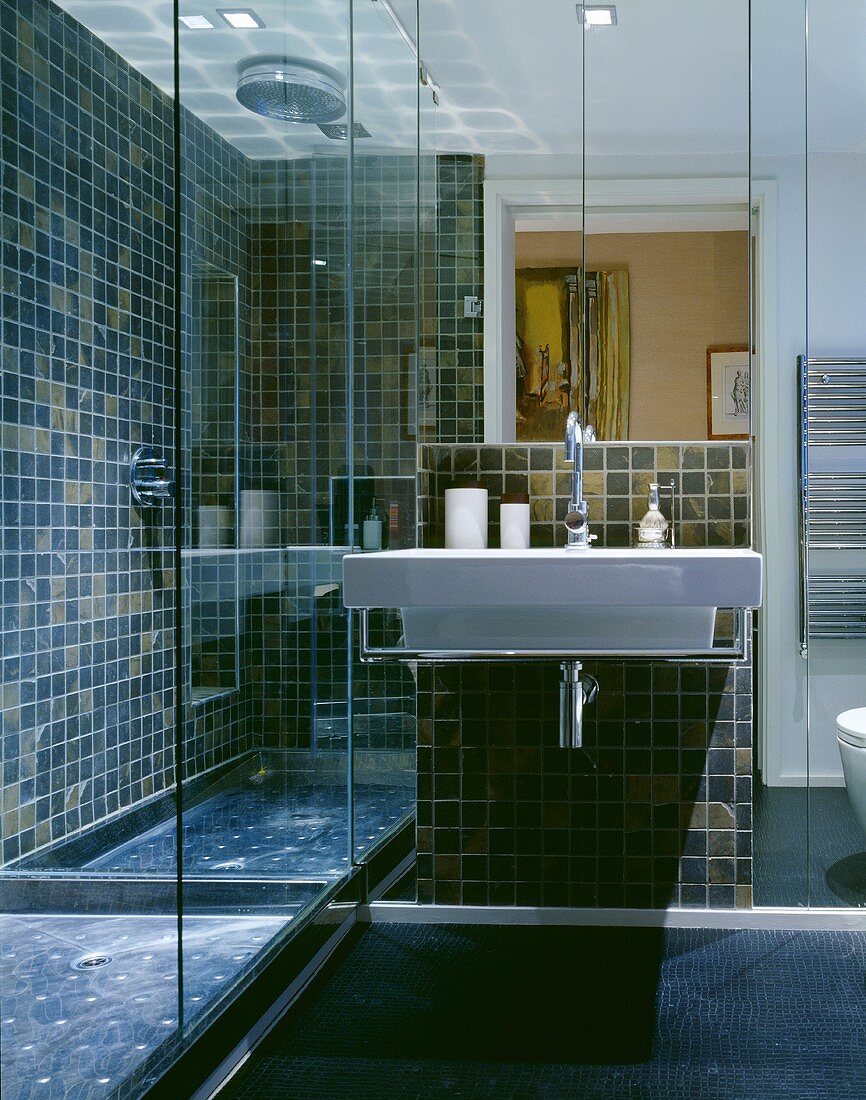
92, 962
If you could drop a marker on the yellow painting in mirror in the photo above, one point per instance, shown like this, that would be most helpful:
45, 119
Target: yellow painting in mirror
550, 379
545, 371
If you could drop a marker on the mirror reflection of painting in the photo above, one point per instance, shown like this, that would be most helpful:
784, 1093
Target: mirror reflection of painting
728, 392
551, 379
737, 391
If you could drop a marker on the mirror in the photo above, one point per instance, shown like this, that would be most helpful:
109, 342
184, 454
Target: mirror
593, 191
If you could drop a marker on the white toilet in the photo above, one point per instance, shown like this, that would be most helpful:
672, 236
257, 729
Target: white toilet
851, 732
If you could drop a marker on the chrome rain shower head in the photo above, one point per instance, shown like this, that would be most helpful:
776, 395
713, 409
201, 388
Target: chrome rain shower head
290, 90
339, 131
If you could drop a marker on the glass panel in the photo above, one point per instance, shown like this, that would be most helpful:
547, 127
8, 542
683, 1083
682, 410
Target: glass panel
507, 139
666, 338
88, 916
836, 456
386, 272
778, 203
264, 167
94, 699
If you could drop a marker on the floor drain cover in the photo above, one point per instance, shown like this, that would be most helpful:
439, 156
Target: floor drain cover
91, 962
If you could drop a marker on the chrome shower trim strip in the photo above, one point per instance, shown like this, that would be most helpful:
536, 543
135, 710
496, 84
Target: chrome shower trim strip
237, 1058
830, 920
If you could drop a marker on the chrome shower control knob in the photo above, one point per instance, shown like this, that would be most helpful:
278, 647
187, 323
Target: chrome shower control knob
150, 479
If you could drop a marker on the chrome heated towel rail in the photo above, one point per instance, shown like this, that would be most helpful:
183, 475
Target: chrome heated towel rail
832, 459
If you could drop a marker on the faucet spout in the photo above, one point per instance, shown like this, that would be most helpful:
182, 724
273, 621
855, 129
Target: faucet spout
577, 518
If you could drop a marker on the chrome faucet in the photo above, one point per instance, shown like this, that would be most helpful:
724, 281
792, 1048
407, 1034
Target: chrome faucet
577, 519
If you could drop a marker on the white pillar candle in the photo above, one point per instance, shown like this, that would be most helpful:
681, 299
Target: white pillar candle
466, 517
514, 522
214, 526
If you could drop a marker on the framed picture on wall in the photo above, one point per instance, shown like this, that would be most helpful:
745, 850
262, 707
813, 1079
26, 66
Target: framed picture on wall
729, 392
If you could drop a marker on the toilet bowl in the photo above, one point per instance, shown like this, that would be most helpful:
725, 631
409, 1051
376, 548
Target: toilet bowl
851, 733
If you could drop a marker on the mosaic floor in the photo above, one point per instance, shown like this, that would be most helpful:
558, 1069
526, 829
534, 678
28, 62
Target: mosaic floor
78, 1032
277, 824
833, 873
576, 1014
73, 1030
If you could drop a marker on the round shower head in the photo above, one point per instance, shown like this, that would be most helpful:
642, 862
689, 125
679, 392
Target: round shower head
294, 91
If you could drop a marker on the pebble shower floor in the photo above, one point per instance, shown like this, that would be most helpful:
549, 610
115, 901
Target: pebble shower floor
79, 1031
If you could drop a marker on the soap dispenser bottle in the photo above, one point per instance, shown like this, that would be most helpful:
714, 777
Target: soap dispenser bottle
372, 539
653, 528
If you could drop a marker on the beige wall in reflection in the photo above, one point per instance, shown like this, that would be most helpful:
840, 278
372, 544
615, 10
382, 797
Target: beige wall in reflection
688, 291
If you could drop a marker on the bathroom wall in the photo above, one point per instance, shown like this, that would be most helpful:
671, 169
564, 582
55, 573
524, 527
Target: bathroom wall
711, 481
215, 199
656, 809
88, 374
837, 266
296, 437
87, 371
459, 271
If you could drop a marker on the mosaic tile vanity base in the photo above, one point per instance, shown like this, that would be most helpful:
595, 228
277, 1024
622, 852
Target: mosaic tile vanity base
83, 1032
656, 809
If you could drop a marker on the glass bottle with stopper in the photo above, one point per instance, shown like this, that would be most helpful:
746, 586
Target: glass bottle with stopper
653, 528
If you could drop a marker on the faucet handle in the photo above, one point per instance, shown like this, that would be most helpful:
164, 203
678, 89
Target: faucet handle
577, 519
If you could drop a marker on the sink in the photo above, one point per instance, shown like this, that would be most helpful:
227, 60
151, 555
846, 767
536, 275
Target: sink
613, 601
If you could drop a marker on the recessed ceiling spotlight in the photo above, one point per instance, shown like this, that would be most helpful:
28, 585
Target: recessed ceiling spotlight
241, 18
597, 15
196, 22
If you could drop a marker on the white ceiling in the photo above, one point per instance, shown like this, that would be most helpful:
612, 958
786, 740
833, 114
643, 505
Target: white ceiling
671, 79
314, 30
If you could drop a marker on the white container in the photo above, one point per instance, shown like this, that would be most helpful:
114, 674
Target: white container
372, 537
214, 526
260, 518
514, 522
466, 517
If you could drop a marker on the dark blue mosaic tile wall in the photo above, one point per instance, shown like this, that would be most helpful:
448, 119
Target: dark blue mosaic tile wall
297, 434
457, 264
87, 375
215, 241
88, 346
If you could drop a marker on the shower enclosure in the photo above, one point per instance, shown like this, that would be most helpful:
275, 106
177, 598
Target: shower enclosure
222, 270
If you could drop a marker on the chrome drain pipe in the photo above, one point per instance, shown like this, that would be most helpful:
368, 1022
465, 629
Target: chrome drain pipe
575, 692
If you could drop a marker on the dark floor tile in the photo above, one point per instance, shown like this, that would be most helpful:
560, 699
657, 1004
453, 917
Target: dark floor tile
420, 1011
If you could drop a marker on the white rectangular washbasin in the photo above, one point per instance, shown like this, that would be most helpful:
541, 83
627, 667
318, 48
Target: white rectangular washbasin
617, 601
